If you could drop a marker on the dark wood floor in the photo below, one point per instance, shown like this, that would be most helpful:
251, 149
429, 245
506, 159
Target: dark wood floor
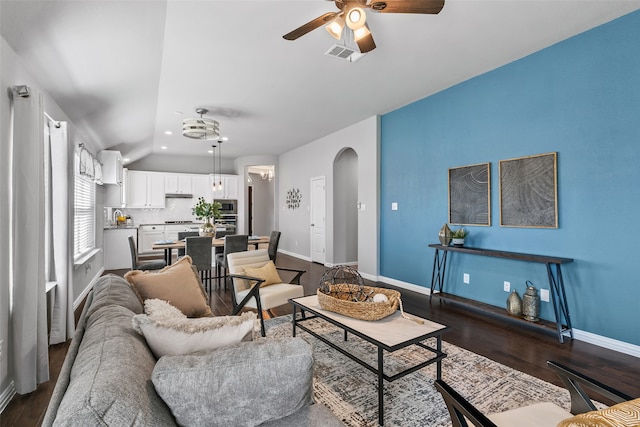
521, 348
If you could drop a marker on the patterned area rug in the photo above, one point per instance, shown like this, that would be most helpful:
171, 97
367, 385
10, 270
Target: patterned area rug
350, 390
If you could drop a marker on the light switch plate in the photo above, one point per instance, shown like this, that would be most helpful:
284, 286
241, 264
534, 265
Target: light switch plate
507, 286
544, 295
394, 206
466, 278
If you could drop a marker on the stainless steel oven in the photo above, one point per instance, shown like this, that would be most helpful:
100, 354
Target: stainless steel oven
229, 206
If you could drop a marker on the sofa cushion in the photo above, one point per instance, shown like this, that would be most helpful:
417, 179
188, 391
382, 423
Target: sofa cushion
267, 272
110, 378
178, 284
625, 414
112, 290
175, 335
241, 385
159, 309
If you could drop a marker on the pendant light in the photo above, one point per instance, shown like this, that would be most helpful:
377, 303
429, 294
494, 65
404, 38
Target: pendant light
201, 128
220, 165
213, 151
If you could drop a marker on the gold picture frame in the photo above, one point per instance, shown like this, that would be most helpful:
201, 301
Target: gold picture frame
529, 191
470, 195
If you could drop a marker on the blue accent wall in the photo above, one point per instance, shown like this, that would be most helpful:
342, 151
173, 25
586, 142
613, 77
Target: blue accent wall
579, 98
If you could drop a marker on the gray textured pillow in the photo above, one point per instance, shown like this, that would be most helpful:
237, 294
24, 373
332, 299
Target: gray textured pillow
245, 384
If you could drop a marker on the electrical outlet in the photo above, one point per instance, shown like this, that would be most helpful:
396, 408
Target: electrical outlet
394, 206
466, 278
507, 286
544, 295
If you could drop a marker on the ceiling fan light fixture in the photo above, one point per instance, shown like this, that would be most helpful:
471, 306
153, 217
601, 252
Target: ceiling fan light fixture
361, 33
201, 128
336, 27
356, 18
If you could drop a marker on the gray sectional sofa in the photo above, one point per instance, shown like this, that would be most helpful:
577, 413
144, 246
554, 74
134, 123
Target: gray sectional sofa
106, 379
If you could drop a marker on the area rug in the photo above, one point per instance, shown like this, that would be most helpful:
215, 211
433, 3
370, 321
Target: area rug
350, 390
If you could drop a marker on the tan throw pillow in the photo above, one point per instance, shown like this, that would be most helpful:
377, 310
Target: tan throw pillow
172, 336
267, 272
178, 284
625, 414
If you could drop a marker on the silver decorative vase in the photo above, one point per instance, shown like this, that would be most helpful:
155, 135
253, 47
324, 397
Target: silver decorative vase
445, 235
207, 230
514, 304
531, 303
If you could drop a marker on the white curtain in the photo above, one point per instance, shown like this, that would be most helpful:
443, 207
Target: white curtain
28, 336
62, 320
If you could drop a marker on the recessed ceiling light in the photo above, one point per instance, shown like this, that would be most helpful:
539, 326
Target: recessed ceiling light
224, 138
178, 112
126, 159
164, 147
210, 151
168, 132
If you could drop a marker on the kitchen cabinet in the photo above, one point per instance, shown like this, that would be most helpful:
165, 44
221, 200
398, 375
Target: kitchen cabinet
171, 231
117, 254
230, 184
178, 183
115, 196
201, 186
111, 167
147, 236
146, 189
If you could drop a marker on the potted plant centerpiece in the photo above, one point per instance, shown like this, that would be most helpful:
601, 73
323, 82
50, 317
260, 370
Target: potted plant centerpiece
208, 212
457, 236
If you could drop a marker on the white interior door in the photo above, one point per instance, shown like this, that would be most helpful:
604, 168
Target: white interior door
318, 219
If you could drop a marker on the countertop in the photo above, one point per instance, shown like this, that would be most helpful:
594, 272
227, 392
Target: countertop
120, 227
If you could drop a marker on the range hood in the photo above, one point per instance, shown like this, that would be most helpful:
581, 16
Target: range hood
179, 196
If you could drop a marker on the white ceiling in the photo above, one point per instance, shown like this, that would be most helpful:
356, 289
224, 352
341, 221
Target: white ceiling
122, 69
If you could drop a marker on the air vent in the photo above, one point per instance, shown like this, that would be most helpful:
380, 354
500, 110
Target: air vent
345, 53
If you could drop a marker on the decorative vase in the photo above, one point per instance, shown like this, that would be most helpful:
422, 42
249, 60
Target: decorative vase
207, 230
445, 235
458, 242
514, 304
530, 303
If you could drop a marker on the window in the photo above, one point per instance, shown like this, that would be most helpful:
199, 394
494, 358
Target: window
84, 227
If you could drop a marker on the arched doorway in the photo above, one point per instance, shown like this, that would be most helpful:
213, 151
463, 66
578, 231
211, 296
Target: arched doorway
345, 207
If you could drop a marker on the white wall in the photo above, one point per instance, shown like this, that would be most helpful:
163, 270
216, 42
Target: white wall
345, 210
297, 167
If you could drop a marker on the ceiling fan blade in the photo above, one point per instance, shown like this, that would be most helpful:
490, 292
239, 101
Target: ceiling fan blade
310, 26
407, 6
366, 43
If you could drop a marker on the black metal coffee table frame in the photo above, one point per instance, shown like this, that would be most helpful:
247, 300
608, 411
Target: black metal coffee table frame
379, 370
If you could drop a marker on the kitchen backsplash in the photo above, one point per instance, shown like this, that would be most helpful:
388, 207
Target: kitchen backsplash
175, 210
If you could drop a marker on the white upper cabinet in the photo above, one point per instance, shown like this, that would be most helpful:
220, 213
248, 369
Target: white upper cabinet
178, 183
146, 189
111, 167
202, 186
229, 187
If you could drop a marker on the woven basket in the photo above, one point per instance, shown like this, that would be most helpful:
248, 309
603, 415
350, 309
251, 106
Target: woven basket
362, 310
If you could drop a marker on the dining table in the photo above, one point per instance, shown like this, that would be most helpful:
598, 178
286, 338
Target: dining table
169, 245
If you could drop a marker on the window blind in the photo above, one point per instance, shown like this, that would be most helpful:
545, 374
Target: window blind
83, 216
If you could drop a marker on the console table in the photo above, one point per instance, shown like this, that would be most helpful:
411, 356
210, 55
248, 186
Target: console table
554, 273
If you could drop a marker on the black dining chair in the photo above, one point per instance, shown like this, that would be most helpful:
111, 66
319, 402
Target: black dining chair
136, 264
232, 243
199, 249
183, 235
274, 239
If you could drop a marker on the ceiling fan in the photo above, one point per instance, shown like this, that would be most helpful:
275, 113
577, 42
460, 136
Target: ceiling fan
353, 15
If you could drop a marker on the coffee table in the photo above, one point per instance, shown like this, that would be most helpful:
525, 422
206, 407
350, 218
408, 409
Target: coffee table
389, 334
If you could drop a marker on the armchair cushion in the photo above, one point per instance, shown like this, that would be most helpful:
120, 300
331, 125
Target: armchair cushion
178, 284
264, 380
267, 272
625, 414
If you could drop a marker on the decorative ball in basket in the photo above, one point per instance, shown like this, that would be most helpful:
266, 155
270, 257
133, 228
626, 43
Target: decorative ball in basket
342, 290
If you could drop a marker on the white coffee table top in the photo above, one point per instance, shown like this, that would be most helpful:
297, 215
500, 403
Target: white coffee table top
390, 331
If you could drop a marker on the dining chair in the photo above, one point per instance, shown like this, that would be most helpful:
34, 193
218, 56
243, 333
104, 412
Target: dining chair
183, 235
232, 243
199, 249
274, 239
136, 264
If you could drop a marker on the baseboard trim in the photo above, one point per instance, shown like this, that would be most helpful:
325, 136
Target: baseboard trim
86, 290
295, 255
6, 396
588, 337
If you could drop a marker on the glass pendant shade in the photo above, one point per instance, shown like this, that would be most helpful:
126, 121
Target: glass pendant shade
361, 32
356, 18
335, 28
